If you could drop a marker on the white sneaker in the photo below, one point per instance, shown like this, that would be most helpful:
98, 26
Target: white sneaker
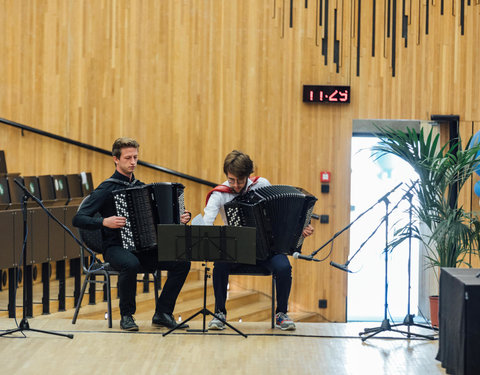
216, 323
283, 321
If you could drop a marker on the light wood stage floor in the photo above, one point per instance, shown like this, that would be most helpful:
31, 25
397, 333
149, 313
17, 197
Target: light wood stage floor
314, 348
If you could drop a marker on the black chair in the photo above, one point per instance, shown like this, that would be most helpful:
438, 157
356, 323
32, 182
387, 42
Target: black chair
93, 241
255, 270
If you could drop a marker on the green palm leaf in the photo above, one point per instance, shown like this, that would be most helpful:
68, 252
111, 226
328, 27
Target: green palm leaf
452, 233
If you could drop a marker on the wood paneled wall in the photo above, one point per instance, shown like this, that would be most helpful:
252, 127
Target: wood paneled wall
193, 79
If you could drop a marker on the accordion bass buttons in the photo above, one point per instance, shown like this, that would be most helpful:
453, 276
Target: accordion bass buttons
233, 217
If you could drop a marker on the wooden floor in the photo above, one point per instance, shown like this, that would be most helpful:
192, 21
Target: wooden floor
314, 348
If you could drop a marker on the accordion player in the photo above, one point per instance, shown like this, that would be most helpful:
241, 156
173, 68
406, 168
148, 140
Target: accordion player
144, 207
278, 212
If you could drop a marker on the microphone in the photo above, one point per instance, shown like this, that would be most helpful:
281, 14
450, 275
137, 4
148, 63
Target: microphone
342, 267
297, 255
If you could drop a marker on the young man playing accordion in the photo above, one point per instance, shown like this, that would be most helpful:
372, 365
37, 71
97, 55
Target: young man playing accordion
238, 167
125, 157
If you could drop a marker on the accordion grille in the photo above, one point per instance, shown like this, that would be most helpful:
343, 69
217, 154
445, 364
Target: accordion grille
181, 202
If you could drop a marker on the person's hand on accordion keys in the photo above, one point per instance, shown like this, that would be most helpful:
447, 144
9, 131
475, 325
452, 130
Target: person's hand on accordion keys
308, 230
185, 217
114, 222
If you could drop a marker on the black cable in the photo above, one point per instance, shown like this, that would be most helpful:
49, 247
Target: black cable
328, 255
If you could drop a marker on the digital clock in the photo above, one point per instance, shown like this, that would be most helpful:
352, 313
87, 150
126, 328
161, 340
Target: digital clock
326, 94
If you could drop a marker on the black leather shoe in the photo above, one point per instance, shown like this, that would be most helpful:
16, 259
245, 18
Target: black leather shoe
165, 320
127, 323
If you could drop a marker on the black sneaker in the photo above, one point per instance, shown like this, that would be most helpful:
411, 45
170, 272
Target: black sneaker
127, 323
165, 320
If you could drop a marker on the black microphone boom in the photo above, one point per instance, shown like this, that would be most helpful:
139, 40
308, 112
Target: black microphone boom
358, 217
342, 267
297, 255
39, 202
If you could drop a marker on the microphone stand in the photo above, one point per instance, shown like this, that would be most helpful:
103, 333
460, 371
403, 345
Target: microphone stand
349, 225
408, 321
385, 325
24, 325
344, 267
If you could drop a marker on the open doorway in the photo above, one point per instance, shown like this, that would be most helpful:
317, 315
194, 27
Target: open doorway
371, 179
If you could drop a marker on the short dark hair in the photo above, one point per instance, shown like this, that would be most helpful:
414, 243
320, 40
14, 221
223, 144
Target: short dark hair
123, 142
238, 163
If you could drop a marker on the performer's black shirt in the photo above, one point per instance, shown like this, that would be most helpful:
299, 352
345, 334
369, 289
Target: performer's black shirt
101, 202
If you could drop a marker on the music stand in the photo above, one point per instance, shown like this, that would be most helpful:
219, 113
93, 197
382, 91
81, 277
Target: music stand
206, 243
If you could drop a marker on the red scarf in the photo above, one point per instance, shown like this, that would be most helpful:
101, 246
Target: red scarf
228, 189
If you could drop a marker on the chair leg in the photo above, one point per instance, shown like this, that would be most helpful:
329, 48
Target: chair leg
80, 298
109, 300
156, 287
146, 282
273, 302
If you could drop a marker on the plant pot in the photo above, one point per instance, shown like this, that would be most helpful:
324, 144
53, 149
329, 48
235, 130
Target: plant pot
434, 310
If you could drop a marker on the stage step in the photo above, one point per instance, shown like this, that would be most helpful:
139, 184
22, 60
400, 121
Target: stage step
244, 305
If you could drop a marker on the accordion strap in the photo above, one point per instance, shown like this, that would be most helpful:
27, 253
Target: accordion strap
254, 180
120, 182
220, 189
228, 189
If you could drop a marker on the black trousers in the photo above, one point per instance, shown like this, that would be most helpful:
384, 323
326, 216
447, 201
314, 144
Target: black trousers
130, 264
278, 264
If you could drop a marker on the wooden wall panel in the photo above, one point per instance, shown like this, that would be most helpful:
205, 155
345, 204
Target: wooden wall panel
193, 79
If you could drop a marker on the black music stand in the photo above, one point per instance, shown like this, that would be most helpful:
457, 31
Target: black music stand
206, 243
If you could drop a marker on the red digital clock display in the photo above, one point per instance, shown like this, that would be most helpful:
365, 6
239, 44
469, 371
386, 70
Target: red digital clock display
326, 94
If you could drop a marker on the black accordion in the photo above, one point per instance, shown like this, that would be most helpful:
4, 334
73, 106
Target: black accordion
278, 212
144, 207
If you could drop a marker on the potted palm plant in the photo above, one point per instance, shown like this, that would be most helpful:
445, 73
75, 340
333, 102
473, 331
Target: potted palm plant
449, 233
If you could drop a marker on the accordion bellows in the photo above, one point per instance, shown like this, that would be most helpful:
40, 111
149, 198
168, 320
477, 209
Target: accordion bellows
144, 207
278, 212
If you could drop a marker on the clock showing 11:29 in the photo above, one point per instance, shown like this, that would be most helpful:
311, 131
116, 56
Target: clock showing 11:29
326, 94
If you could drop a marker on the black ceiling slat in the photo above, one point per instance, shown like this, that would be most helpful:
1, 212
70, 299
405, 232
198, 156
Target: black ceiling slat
291, 13
394, 35
358, 36
404, 23
427, 17
389, 22
336, 44
374, 10
320, 15
325, 35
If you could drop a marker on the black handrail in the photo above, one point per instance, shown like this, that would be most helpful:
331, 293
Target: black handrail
106, 152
